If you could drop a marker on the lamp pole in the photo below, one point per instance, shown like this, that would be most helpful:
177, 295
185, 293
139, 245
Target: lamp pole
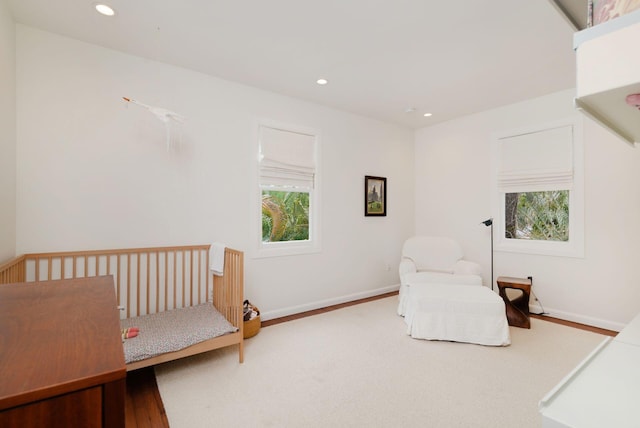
489, 222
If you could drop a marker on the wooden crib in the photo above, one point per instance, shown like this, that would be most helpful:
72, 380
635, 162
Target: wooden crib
150, 281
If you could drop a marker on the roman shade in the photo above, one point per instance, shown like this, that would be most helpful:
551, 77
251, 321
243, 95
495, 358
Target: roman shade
536, 161
287, 158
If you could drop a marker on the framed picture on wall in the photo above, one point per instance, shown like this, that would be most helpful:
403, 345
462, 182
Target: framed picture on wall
375, 196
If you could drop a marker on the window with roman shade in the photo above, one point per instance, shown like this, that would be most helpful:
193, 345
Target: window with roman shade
539, 189
288, 182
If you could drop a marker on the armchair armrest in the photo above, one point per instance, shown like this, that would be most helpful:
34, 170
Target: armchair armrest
406, 266
464, 267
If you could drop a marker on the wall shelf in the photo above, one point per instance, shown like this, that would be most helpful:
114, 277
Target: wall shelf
608, 69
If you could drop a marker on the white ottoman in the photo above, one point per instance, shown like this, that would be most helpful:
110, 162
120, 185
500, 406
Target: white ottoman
459, 313
426, 277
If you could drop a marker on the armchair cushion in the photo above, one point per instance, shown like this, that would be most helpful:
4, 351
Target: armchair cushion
465, 267
441, 278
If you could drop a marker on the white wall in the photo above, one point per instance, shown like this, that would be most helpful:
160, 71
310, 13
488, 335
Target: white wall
453, 193
94, 172
7, 134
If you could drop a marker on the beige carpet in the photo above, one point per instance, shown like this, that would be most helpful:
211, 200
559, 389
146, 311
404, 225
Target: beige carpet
356, 367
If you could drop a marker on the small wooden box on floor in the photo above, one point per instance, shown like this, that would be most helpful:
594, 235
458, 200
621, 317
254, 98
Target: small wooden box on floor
61, 357
518, 308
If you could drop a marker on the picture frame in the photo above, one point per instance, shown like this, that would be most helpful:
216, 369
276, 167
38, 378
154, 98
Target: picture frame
375, 196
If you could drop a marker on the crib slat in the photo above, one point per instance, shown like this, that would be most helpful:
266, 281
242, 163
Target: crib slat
166, 279
175, 273
108, 264
139, 285
199, 277
183, 285
118, 291
191, 279
148, 308
128, 283
157, 281
207, 276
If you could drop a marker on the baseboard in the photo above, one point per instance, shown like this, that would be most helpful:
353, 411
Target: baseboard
292, 310
577, 318
533, 308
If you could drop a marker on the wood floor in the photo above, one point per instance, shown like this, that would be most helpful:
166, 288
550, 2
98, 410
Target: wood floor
143, 405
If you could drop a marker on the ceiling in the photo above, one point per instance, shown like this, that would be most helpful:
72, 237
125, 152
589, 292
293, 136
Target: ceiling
382, 58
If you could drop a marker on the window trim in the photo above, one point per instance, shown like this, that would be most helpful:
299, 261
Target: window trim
574, 247
288, 248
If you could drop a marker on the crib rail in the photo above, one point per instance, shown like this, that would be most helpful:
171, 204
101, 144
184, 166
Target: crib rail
13, 271
147, 280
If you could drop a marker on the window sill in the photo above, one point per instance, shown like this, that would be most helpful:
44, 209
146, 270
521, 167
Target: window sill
286, 249
555, 249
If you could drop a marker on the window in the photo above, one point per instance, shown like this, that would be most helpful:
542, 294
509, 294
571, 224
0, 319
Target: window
538, 190
542, 216
288, 182
285, 216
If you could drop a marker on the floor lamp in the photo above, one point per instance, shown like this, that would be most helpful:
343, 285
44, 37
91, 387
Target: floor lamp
489, 222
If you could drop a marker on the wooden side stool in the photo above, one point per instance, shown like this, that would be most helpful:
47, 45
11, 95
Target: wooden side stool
518, 308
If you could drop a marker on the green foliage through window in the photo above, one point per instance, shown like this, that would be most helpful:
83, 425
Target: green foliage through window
542, 216
285, 216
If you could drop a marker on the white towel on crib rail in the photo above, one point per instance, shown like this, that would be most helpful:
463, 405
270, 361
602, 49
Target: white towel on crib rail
217, 258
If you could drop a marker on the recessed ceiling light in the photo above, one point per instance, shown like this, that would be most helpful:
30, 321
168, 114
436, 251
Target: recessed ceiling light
105, 10
322, 81
428, 114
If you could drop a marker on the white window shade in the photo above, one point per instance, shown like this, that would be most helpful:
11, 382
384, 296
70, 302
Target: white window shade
286, 158
536, 161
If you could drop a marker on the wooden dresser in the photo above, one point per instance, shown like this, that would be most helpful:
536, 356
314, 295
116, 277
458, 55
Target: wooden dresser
61, 357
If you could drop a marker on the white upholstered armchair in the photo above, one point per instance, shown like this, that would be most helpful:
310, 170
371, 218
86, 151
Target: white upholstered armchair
437, 260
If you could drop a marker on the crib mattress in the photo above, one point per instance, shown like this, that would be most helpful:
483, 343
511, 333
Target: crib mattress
173, 330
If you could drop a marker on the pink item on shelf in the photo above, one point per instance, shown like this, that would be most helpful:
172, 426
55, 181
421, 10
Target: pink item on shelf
634, 100
606, 10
